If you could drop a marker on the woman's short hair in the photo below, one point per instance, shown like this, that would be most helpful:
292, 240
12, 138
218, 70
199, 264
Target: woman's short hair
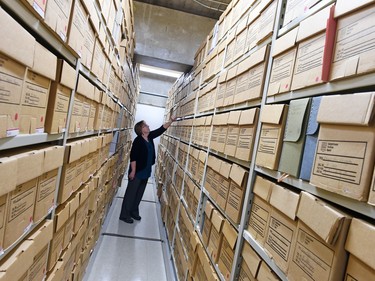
138, 127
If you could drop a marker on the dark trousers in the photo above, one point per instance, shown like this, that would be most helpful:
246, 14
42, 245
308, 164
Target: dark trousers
133, 196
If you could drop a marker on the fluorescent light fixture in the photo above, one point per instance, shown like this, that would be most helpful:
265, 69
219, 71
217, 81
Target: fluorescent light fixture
159, 71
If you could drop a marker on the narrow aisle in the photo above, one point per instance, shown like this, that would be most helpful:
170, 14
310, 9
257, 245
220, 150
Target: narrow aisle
131, 252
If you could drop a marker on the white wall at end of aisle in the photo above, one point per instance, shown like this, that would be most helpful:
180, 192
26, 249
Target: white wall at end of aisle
154, 117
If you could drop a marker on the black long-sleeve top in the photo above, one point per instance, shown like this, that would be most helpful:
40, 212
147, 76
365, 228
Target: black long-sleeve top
138, 152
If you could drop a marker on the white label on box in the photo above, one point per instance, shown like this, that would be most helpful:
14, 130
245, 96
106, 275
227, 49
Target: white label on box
12, 132
39, 130
340, 160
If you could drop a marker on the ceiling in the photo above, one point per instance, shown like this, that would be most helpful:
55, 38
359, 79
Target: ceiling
205, 8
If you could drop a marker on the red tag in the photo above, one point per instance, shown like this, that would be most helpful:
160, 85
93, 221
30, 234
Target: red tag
286, 86
41, 118
16, 116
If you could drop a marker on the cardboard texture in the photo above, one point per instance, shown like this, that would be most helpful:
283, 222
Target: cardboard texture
34, 103
8, 174
353, 32
265, 273
214, 244
319, 240
77, 28
273, 119
311, 140
57, 16
19, 217
250, 76
227, 249
343, 7
296, 8
282, 226
45, 194
371, 197
357, 270
360, 242
3, 213
312, 42
248, 124
13, 75
233, 133
294, 137
260, 210
250, 263
284, 55
237, 190
223, 184
345, 144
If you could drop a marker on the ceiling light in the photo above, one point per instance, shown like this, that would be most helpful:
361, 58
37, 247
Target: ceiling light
159, 71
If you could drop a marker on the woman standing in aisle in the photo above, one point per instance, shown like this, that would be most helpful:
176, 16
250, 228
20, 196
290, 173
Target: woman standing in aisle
142, 157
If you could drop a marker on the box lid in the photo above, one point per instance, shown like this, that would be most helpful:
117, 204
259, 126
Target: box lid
220, 119
285, 42
339, 109
223, 76
217, 220
254, 59
22, 42
313, 125
8, 174
296, 118
45, 62
225, 169
313, 24
272, 113
361, 241
209, 209
248, 117
263, 188
232, 72
322, 218
237, 174
53, 158
230, 234
234, 117
251, 258
285, 200
202, 156
343, 6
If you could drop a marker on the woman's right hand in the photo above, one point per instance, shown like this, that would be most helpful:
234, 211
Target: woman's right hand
131, 175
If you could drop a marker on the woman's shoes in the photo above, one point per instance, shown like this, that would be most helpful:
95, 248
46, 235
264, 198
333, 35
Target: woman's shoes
127, 220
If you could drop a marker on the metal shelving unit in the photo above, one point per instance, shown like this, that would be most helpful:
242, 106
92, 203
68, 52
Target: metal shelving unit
29, 139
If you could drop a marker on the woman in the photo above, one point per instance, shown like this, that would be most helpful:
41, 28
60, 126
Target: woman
142, 157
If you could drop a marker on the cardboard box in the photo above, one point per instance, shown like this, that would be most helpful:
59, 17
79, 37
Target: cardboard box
345, 153
266, 274
17, 262
53, 157
219, 131
353, 33
260, 209
227, 249
319, 252
8, 174
250, 76
216, 236
311, 140
233, 133
207, 223
237, 191
45, 194
19, 217
12, 82
77, 28
25, 42
241, 33
248, 124
313, 43
3, 213
231, 83
76, 117
222, 184
284, 55
57, 16
294, 137
273, 119
282, 226
67, 184
250, 263
221, 88
371, 197
295, 9
359, 244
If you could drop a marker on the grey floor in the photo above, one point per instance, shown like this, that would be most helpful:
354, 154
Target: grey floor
132, 252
